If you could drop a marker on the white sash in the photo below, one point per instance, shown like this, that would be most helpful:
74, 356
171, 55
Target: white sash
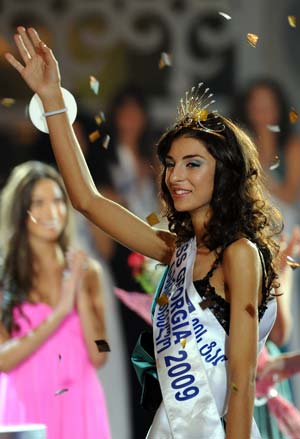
190, 353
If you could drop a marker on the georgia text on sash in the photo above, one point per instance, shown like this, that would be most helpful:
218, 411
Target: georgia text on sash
173, 325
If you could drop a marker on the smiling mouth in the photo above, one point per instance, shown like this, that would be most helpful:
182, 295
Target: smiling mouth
180, 193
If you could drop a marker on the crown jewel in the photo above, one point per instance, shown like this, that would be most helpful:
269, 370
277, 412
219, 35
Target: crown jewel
193, 111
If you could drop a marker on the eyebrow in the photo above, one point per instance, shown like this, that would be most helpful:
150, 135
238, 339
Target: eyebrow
190, 156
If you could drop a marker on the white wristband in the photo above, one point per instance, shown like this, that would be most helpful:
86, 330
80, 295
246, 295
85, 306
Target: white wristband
38, 115
53, 113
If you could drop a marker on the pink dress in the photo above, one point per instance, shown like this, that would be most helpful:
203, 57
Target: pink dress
57, 385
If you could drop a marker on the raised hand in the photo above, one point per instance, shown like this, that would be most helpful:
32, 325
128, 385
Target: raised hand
39, 68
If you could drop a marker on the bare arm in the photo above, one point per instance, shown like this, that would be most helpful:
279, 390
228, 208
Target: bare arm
242, 273
90, 306
40, 71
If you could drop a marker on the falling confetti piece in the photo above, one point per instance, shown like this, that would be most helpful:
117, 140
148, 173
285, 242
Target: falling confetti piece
223, 14
292, 263
292, 20
250, 310
252, 39
234, 387
183, 342
293, 115
152, 219
106, 141
61, 391
206, 303
100, 118
7, 102
275, 163
274, 128
165, 60
162, 299
94, 84
102, 346
94, 136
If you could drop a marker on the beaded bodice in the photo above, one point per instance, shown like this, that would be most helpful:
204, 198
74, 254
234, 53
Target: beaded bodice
217, 304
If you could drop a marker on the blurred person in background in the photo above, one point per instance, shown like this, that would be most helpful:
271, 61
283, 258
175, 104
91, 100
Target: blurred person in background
51, 312
264, 111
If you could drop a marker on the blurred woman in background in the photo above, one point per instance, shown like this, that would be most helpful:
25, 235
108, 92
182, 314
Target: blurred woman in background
51, 313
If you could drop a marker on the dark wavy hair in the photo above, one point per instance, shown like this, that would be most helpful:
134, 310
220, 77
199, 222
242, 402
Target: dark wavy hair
240, 203
17, 272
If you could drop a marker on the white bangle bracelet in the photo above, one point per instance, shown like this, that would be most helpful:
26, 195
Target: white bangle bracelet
53, 113
39, 116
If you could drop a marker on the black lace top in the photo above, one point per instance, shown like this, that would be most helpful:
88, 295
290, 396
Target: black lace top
217, 304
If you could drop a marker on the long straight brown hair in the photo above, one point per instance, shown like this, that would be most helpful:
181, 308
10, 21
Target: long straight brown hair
17, 274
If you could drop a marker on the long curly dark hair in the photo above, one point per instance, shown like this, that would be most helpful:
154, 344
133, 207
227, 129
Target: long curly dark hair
17, 274
240, 203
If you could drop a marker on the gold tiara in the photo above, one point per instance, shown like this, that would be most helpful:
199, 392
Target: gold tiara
194, 113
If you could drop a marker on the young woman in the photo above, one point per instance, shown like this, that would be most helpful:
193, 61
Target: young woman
51, 313
219, 253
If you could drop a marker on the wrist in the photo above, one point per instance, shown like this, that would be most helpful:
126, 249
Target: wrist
52, 98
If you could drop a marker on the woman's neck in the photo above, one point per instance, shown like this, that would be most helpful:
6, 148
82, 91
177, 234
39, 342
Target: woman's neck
46, 255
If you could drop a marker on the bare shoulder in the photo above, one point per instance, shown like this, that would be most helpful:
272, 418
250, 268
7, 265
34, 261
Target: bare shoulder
240, 251
241, 262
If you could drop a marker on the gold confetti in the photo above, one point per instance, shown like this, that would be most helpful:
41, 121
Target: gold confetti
94, 136
60, 391
100, 118
223, 14
250, 310
106, 141
292, 20
274, 128
275, 163
206, 303
234, 387
165, 60
152, 219
183, 342
252, 39
162, 299
293, 116
94, 84
292, 263
7, 102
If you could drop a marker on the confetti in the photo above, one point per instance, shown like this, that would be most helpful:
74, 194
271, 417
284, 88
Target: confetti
94, 136
234, 387
106, 141
94, 84
183, 342
100, 118
292, 263
162, 300
206, 303
61, 391
275, 163
7, 102
250, 310
152, 219
102, 346
223, 14
274, 128
252, 39
292, 20
165, 60
293, 116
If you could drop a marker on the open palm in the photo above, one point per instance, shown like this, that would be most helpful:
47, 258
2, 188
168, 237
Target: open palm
39, 69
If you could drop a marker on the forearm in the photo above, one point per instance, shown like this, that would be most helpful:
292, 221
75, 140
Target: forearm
240, 411
67, 151
93, 329
14, 351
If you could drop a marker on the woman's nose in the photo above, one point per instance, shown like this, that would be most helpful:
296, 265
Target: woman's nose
177, 174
